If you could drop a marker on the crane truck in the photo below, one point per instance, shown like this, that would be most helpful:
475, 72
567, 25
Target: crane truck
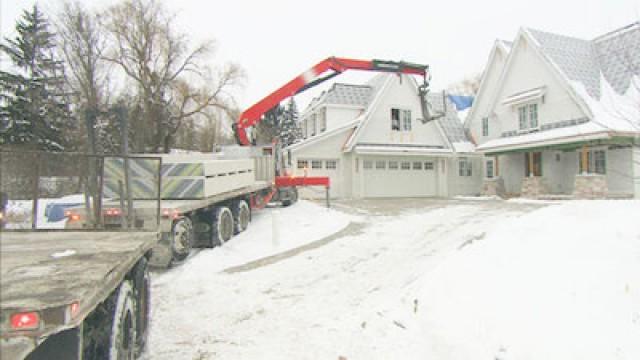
77, 287
208, 198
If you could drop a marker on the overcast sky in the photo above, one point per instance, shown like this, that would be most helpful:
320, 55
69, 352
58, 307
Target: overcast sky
276, 40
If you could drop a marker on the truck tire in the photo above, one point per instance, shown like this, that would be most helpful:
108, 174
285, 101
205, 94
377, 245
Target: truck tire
222, 228
181, 239
241, 216
122, 340
142, 292
292, 198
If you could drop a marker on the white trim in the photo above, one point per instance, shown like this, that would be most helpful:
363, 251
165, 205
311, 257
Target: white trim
485, 76
524, 35
525, 96
367, 114
487, 147
327, 134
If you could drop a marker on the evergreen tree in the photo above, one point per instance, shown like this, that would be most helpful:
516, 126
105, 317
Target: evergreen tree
289, 131
33, 106
269, 128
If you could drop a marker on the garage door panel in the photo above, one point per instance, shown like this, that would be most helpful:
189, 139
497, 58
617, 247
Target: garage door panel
399, 177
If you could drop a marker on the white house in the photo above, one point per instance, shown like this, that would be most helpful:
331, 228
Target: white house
371, 141
557, 115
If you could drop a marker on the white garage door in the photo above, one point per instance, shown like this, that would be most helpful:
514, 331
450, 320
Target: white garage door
319, 167
399, 177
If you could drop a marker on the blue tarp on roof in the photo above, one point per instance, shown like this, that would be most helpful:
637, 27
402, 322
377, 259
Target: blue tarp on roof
461, 101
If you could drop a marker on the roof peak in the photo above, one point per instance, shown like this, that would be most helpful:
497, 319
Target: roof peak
618, 31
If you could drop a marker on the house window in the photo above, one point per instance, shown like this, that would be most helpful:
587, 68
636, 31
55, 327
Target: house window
428, 165
537, 164
485, 126
367, 164
464, 167
323, 120
406, 120
489, 169
405, 165
304, 128
313, 124
522, 117
393, 165
597, 161
303, 164
316, 164
528, 116
417, 165
381, 164
395, 119
331, 164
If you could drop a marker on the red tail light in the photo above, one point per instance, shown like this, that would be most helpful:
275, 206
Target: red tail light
74, 308
168, 213
25, 321
112, 212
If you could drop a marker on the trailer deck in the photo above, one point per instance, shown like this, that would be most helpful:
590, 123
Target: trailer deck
48, 271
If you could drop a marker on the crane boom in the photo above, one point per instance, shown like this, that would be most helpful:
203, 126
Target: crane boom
314, 76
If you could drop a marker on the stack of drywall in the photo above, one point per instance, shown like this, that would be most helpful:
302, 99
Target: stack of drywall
183, 176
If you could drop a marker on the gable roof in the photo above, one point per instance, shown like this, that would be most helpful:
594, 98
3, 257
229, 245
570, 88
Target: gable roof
498, 46
616, 55
343, 94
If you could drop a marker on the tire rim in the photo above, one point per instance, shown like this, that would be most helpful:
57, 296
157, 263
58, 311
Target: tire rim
227, 226
244, 218
125, 337
180, 237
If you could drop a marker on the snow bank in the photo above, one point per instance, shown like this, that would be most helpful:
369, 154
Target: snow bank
560, 283
296, 226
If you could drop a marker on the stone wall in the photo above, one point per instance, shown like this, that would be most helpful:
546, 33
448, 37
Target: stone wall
533, 187
590, 186
493, 187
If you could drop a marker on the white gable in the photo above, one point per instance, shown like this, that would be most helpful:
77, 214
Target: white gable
481, 105
399, 92
526, 72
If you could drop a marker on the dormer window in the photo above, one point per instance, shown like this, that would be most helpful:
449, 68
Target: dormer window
400, 120
528, 116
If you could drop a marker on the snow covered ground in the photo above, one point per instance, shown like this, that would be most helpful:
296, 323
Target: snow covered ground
412, 279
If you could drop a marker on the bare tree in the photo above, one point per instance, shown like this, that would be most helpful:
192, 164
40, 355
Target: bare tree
82, 43
172, 80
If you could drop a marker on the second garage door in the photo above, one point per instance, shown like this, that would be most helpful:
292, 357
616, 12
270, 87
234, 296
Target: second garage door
399, 177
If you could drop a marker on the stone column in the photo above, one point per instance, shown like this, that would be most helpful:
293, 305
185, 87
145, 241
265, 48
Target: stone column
590, 186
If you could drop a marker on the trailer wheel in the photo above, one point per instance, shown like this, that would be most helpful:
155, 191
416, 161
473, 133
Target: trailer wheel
141, 288
122, 340
292, 198
222, 228
241, 216
181, 239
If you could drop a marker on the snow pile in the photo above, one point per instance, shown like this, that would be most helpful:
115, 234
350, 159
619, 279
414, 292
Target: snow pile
296, 226
560, 283
619, 112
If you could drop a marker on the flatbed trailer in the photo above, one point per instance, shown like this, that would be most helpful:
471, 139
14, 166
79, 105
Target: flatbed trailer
69, 293
189, 223
59, 288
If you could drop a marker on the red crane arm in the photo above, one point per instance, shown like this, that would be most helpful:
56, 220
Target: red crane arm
312, 77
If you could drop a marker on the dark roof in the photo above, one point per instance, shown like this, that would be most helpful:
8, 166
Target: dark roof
450, 123
616, 55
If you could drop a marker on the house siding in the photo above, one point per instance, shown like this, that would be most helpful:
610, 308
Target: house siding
636, 170
528, 71
483, 101
329, 148
620, 175
400, 93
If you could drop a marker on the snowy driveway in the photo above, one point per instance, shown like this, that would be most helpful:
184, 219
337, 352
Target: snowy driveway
338, 296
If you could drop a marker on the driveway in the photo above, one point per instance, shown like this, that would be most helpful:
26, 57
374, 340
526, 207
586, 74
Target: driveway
331, 297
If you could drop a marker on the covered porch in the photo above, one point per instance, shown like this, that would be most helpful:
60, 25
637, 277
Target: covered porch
587, 169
